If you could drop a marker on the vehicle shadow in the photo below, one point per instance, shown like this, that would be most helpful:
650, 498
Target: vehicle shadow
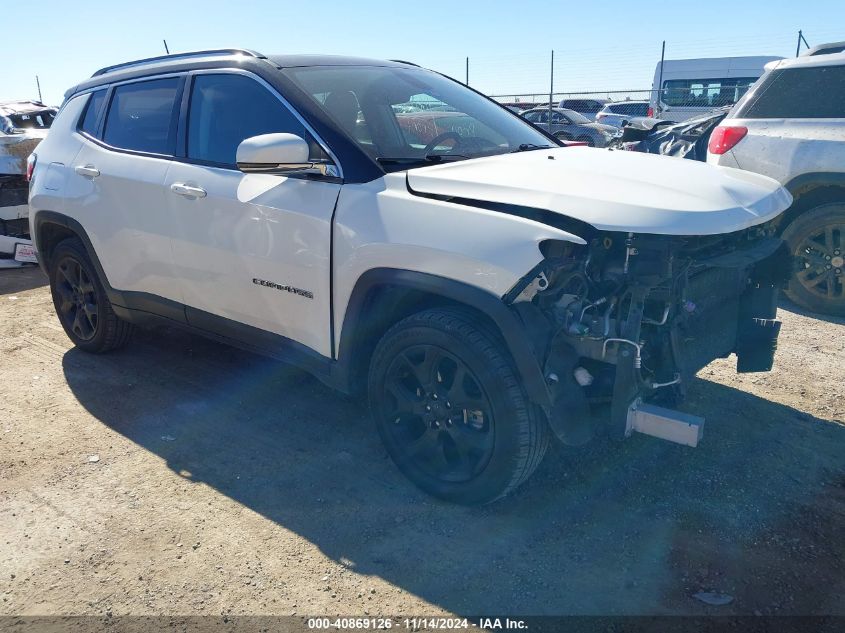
633, 528
788, 304
14, 280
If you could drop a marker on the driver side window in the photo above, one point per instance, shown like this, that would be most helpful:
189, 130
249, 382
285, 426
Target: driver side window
227, 108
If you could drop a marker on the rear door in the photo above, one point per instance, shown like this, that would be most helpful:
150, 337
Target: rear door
251, 249
115, 184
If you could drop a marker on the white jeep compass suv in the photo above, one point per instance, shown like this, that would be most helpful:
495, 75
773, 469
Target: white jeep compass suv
392, 231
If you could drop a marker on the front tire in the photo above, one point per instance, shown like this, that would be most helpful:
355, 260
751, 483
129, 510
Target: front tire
81, 302
450, 409
817, 242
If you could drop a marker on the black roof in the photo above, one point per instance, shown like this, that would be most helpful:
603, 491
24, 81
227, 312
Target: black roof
225, 57
294, 61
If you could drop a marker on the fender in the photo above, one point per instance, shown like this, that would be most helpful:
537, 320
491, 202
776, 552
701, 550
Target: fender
42, 218
122, 301
809, 190
810, 180
510, 328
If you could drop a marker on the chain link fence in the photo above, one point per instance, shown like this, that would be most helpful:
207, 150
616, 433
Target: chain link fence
676, 95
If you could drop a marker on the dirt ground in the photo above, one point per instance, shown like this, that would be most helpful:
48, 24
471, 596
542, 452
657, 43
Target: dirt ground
180, 476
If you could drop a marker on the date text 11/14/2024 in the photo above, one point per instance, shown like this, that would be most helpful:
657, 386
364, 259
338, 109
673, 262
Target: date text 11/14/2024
416, 624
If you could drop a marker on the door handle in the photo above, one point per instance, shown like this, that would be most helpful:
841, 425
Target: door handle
187, 191
89, 171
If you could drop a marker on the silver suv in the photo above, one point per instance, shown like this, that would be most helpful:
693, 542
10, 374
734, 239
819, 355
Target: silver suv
791, 126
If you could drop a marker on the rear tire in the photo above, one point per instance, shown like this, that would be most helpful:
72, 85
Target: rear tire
81, 303
816, 240
450, 409
586, 139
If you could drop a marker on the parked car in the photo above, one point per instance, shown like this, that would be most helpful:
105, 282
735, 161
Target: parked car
619, 114
691, 87
791, 127
688, 139
486, 287
23, 124
568, 125
587, 108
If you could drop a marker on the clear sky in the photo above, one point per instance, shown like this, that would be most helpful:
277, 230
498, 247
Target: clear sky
599, 45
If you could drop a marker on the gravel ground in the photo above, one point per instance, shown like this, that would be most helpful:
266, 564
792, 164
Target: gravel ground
184, 477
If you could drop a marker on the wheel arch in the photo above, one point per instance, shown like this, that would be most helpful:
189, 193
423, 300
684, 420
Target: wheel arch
383, 296
811, 190
49, 228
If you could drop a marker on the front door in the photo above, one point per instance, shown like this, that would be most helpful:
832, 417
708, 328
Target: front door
253, 249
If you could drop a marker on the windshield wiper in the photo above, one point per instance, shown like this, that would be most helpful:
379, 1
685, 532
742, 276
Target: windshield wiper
527, 147
429, 158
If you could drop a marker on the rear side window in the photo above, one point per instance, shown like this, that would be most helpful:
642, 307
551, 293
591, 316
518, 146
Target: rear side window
632, 109
92, 112
583, 105
225, 109
140, 116
704, 93
798, 93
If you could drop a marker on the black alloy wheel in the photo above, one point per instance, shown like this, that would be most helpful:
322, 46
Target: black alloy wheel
81, 301
77, 306
442, 419
451, 408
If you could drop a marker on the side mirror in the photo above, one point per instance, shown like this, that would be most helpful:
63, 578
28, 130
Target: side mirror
279, 154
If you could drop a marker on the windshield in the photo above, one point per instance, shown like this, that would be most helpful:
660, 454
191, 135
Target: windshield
576, 117
405, 117
39, 120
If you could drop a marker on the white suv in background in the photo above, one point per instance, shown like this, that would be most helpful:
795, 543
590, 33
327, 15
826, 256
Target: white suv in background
791, 126
394, 232
620, 113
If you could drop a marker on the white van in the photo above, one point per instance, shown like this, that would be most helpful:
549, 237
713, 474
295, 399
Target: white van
689, 87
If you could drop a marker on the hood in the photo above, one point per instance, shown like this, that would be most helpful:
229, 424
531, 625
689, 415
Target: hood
613, 190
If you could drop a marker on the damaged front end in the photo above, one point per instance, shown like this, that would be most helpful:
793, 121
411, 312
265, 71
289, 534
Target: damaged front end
623, 323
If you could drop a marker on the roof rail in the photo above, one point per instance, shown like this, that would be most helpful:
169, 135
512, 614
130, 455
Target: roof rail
824, 49
147, 60
402, 61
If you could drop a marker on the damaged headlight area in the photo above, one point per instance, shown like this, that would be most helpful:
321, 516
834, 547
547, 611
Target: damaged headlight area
623, 323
